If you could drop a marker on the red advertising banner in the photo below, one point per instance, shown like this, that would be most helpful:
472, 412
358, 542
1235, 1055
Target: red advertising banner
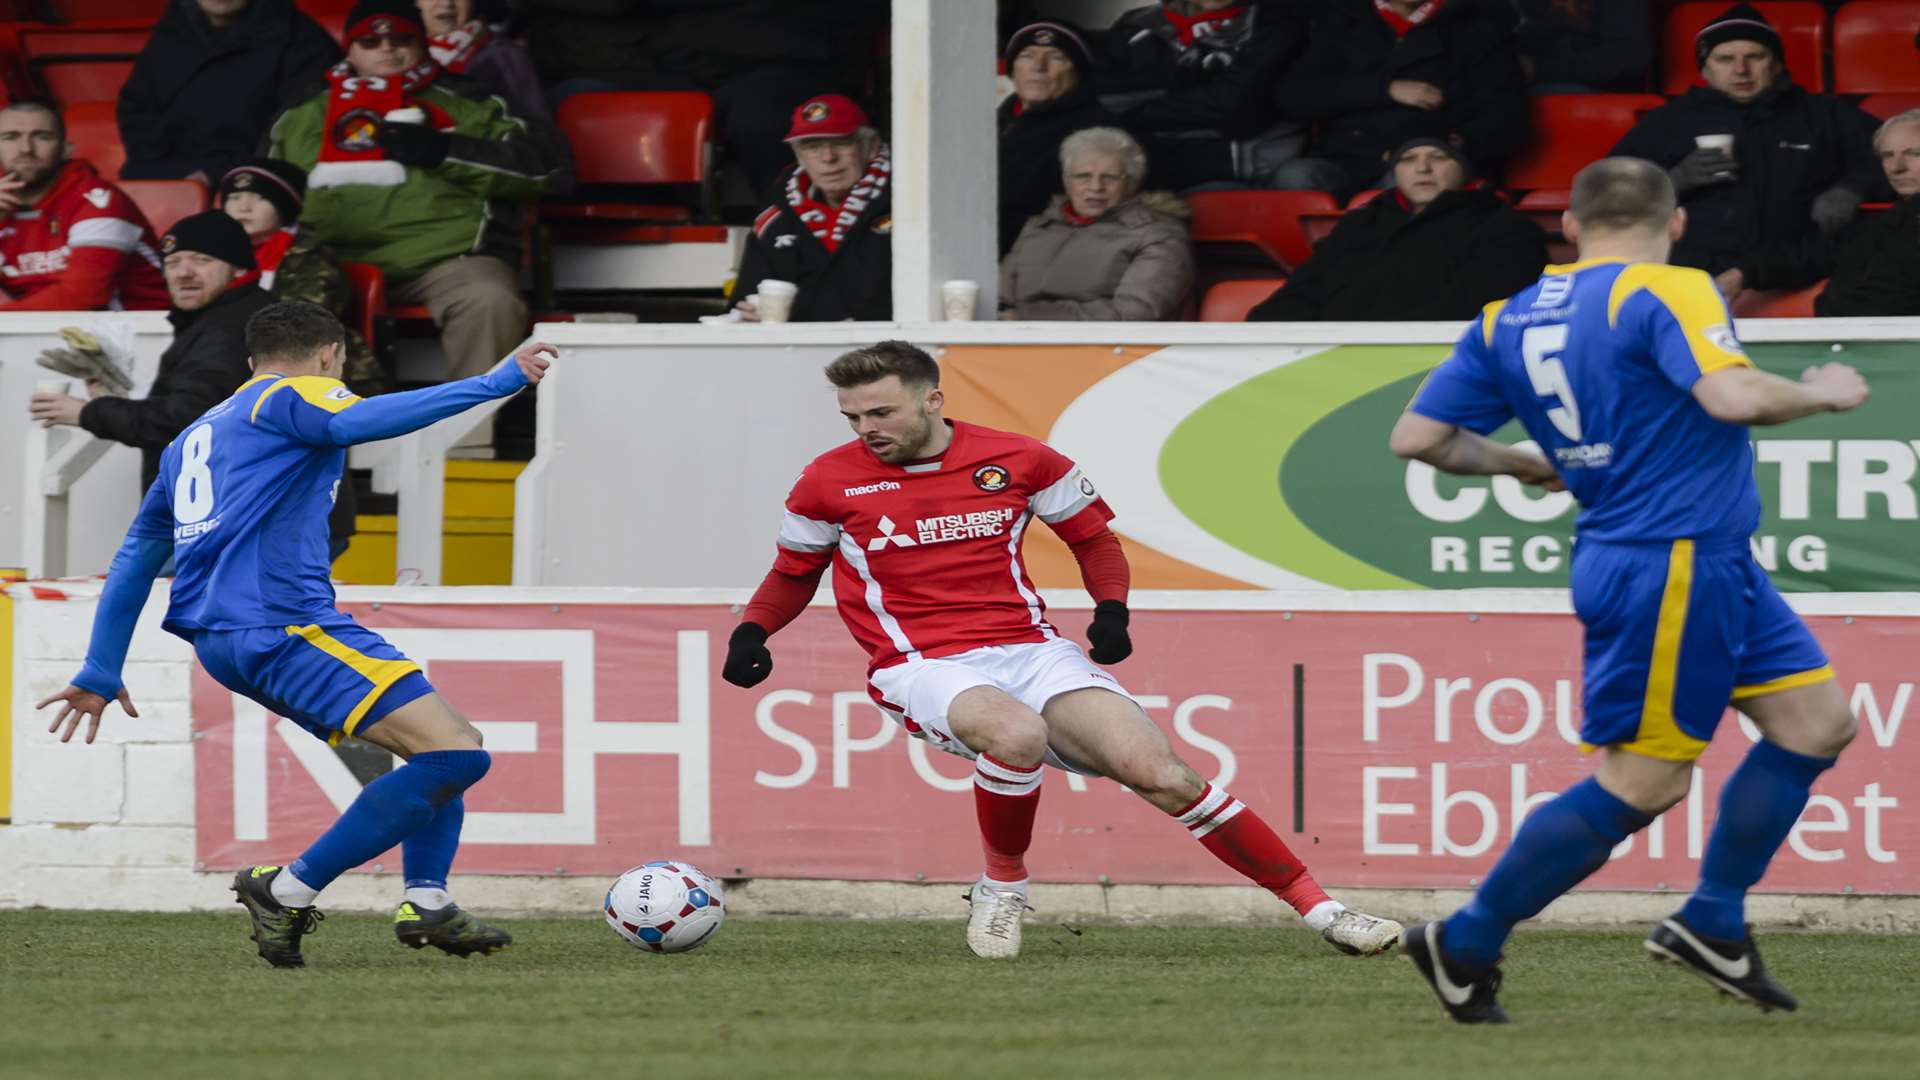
1391, 749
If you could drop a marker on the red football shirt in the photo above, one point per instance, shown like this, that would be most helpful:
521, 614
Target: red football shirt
926, 556
82, 211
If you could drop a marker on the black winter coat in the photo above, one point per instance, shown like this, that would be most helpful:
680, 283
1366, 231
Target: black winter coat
201, 99
1383, 262
1791, 146
1467, 50
1604, 45
1030, 153
1877, 265
854, 282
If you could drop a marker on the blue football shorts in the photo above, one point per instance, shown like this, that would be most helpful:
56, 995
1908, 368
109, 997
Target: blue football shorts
1675, 632
335, 680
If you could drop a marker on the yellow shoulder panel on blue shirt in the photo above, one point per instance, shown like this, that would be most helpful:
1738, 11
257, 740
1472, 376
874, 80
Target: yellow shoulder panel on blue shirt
1487, 316
1690, 296
317, 390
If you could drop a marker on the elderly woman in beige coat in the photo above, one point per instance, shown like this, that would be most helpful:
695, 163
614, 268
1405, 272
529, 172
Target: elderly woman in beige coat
1103, 251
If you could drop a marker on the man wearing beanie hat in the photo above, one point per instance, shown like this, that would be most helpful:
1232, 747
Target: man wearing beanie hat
204, 254
265, 196
1050, 64
210, 80
1193, 80
1440, 245
424, 175
1798, 167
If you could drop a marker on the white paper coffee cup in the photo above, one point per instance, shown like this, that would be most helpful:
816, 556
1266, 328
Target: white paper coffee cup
960, 300
775, 299
1714, 142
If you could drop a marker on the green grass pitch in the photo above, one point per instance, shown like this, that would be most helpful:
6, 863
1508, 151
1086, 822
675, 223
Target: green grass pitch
111, 995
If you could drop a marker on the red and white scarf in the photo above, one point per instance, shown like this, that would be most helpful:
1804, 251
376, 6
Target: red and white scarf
1403, 23
830, 224
1200, 24
268, 251
456, 48
350, 150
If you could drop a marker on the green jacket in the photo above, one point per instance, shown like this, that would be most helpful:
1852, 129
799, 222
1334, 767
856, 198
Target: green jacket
473, 203
308, 272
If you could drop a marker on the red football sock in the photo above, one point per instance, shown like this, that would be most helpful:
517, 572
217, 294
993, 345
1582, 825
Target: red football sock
1005, 797
1238, 837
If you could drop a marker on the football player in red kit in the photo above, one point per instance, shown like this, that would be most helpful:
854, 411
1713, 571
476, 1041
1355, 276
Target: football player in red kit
922, 519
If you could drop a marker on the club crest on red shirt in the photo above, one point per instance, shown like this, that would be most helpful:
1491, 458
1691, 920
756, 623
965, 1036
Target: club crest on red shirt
991, 478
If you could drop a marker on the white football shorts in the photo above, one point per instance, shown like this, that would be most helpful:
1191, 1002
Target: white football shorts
917, 693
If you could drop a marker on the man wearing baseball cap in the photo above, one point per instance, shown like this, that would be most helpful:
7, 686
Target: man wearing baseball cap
829, 230
1763, 167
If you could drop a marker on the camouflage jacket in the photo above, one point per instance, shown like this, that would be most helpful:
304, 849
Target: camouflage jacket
308, 271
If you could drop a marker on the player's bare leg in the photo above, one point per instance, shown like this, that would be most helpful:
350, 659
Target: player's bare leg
1109, 733
1805, 727
1011, 741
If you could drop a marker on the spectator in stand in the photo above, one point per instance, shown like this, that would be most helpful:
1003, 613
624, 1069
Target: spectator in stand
424, 176
212, 77
1586, 46
1434, 247
205, 255
265, 196
1193, 79
1800, 163
757, 58
1379, 72
1104, 251
830, 231
69, 241
462, 43
1052, 98
1877, 265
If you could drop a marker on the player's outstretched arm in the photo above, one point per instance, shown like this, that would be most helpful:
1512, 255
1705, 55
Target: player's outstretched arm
1454, 449
129, 581
780, 599
391, 415
1744, 395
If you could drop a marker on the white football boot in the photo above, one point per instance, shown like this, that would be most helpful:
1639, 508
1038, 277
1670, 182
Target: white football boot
993, 927
1358, 934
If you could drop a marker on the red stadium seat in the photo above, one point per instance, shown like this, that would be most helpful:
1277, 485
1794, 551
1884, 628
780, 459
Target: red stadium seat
1274, 222
72, 64
1803, 36
1777, 303
95, 135
1873, 47
368, 300
71, 82
1888, 106
73, 11
89, 42
1364, 198
1570, 131
330, 14
166, 201
1229, 301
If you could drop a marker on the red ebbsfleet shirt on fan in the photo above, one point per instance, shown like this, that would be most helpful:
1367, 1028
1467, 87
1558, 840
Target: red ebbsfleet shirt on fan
86, 246
926, 556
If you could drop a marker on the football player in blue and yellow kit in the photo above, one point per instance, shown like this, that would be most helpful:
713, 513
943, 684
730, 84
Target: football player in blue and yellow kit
241, 504
1627, 374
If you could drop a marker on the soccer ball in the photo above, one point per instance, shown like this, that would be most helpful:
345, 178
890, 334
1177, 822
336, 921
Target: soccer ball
665, 907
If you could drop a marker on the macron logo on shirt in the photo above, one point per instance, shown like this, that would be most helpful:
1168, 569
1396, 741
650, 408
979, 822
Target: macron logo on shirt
868, 489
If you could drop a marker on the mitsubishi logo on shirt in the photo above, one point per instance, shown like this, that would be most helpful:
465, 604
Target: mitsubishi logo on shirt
888, 536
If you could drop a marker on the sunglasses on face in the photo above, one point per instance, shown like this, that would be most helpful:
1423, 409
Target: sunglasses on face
396, 41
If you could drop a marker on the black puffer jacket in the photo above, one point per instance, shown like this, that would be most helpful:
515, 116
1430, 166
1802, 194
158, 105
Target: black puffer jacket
1877, 265
1384, 262
200, 98
1030, 153
1466, 49
1791, 146
853, 282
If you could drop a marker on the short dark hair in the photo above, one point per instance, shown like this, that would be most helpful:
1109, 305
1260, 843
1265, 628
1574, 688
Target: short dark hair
872, 363
45, 106
1619, 193
292, 329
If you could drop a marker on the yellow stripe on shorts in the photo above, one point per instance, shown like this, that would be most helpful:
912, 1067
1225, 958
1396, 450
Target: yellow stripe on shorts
1823, 673
381, 673
1660, 735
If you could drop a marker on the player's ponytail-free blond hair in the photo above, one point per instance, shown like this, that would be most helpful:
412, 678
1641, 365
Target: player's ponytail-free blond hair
1620, 193
871, 363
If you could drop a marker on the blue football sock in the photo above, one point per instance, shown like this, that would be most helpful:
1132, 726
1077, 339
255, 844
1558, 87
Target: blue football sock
427, 854
389, 810
1558, 846
1762, 800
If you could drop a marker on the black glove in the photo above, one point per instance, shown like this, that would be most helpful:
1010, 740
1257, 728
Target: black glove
748, 661
1108, 633
1834, 208
1703, 167
414, 144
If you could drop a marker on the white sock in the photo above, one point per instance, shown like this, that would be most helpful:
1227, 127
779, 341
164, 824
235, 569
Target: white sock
431, 897
1323, 913
291, 891
1005, 886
